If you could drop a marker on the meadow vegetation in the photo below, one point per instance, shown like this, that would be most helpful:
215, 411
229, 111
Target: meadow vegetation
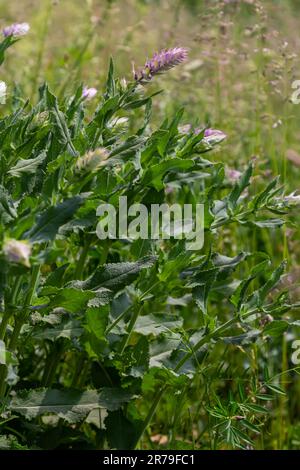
121, 344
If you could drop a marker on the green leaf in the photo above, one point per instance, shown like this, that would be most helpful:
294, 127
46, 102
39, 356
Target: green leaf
49, 222
239, 187
121, 433
140, 356
271, 282
115, 276
110, 83
276, 328
7, 203
275, 389
69, 329
161, 351
73, 300
268, 223
204, 281
61, 130
28, 166
97, 320
157, 324
253, 407
71, 405
153, 175
263, 197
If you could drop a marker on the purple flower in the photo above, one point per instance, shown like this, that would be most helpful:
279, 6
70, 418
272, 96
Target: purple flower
161, 62
88, 93
16, 30
214, 136
232, 175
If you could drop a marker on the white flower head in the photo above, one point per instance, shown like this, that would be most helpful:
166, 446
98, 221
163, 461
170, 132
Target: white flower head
17, 251
92, 160
3, 89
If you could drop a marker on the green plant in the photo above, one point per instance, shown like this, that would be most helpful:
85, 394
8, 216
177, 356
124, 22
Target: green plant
95, 334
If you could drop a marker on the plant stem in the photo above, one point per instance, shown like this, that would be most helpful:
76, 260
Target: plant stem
150, 414
56, 355
19, 322
81, 261
4, 323
132, 322
117, 320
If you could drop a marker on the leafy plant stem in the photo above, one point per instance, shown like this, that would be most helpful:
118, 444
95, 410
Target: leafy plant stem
55, 358
150, 414
4, 323
130, 328
117, 320
21, 320
80, 265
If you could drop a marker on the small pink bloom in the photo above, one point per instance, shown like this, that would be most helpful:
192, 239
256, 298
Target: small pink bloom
16, 30
214, 136
89, 93
232, 175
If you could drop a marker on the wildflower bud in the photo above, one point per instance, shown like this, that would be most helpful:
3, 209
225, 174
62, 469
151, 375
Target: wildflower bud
16, 30
123, 84
214, 136
266, 319
89, 93
160, 62
17, 252
92, 160
2, 92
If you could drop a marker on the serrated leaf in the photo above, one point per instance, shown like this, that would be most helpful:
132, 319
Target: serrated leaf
49, 222
68, 330
71, 405
154, 175
156, 324
97, 320
28, 166
115, 276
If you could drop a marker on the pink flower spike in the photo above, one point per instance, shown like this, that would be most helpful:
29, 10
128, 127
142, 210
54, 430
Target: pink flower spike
160, 62
16, 30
